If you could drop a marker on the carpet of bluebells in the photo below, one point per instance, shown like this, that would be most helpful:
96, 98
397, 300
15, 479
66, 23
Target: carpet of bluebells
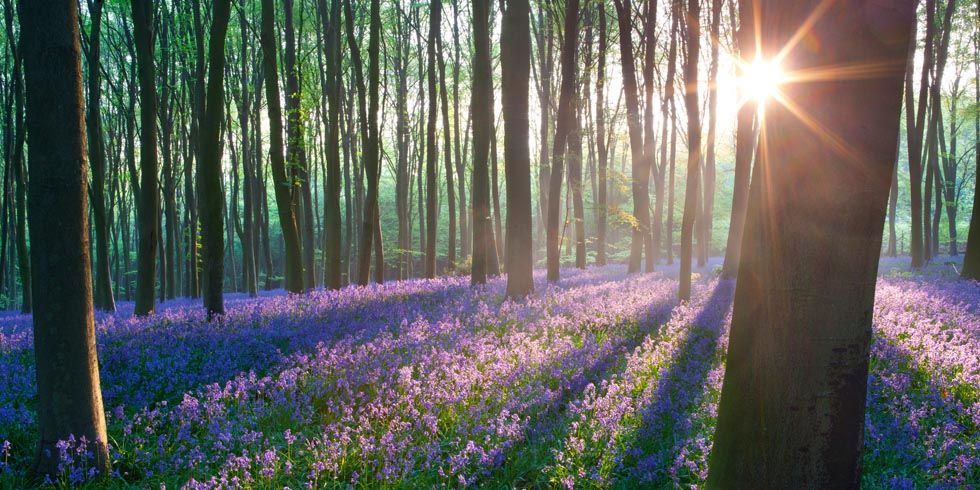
602, 380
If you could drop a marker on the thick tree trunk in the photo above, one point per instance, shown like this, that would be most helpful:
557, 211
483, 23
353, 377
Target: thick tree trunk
149, 196
69, 398
515, 41
793, 400
282, 184
692, 105
209, 168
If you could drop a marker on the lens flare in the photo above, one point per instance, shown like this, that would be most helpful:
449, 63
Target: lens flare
761, 80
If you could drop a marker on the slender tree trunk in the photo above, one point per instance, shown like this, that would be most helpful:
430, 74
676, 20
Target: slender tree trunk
640, 180
692, 104
209, 168
296, 158
448, 154
563, 126
464, 234
745, 142
707, 211
149, 199
96, 155
602, 205
69, 397
432, 151
892, 208
784, 423
546, 64
282, 184
915, 121
331, 200
482, 114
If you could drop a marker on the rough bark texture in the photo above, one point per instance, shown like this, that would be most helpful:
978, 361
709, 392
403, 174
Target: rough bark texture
69, 400
792, 404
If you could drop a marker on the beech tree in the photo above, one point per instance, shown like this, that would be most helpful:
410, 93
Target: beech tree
69, 397
792, 404
149, 198
563, 126
515, 41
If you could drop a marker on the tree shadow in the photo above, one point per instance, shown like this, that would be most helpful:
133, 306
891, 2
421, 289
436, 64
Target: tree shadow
906, 410
667, 421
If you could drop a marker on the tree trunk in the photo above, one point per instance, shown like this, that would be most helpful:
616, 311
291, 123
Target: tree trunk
792, 404
296, 150
563, 125
331, 200
69, 398
515, 41
209, 168
971, 256
915, 121
448, 155
149, 198
602, 205
745, 142
639, 172
96, 154
282, 184
692, 105
707, 210
482, 114
432, 151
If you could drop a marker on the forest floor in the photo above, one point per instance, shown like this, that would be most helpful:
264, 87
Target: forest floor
602, 380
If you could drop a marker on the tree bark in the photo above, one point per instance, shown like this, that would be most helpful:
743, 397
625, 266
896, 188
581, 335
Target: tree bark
792, 404
482, 114
96, 154
149, 198
296, 159
692, 105
209, 168
602, 204
282, 184
69, 400
515, 41
563, 126
432, 150
745, 142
